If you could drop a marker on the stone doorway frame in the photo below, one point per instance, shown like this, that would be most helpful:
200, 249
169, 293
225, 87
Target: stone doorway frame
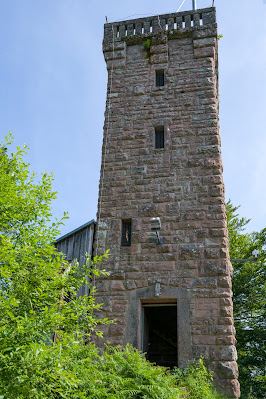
169, 295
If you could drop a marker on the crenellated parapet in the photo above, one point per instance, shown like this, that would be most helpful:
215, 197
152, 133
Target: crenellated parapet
172, 23
200, 25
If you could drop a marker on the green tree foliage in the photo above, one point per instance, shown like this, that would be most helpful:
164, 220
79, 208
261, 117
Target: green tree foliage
122, 374
37, 286
197, 381
249, 288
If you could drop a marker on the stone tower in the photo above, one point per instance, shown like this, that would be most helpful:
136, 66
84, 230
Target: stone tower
161, 158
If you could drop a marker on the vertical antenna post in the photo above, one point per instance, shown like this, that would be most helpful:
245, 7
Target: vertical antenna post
194, 4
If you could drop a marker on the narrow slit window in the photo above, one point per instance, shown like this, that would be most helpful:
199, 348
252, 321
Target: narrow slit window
166, 25
201, 20
117, 32
159, 137
126, 30
160, 78
183, 22
142, 29
192, 20
175, 23
126, 233
150, 26
134, 29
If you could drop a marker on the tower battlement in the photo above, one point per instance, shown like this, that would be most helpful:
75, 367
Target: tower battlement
199, 25
173, 23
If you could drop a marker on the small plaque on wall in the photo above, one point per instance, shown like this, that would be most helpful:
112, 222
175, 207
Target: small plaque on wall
207, 307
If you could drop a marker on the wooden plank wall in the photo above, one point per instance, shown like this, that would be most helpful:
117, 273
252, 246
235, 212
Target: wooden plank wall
75, 246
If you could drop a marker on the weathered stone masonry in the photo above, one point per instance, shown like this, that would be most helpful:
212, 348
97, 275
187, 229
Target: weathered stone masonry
182, 184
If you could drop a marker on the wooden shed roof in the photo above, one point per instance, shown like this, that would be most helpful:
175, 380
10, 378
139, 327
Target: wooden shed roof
75, 231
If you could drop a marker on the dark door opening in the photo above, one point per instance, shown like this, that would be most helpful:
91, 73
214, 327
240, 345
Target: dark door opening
160, 334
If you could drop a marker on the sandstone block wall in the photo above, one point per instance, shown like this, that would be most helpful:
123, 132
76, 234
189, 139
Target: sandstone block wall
182, 184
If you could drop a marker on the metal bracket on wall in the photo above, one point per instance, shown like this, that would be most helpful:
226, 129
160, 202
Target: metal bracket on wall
255, 253
157, 289
159, 239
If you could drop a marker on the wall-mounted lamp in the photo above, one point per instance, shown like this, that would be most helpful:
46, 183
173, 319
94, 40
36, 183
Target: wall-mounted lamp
156, 226
255, 253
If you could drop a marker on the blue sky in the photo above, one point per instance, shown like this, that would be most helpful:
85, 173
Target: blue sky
53, 87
